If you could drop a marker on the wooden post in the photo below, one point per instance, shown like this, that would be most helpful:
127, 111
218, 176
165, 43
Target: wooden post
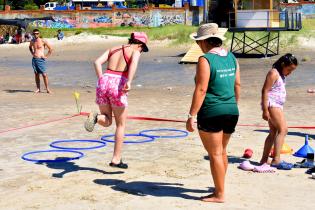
7, 8
205, 11
186, 7
235, 11
77, 7
271, 13
113, 15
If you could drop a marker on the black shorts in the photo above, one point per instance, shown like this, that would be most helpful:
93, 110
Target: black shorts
227, 123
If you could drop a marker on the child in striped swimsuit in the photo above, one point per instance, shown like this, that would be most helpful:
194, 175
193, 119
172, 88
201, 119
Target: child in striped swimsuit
273, 98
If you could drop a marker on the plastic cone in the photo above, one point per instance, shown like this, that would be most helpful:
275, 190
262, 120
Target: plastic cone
302, 152
286, 149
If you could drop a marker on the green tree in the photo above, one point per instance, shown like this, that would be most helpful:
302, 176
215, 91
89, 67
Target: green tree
30, 6
25, 4
2, 3
40, 2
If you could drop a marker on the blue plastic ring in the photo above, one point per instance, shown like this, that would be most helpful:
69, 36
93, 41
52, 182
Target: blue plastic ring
55, 143
24, 157
148, 139
182, 135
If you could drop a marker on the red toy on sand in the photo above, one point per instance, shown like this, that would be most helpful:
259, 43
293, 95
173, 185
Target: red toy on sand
248, 153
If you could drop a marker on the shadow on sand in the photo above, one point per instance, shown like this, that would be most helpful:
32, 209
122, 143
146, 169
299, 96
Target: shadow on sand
235, 160
69, 167
18, 91
156, 189
299, 134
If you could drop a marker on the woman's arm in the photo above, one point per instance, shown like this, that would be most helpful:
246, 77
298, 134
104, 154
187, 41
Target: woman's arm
99, 62
132, 68
271, 78
202, 80
237, 86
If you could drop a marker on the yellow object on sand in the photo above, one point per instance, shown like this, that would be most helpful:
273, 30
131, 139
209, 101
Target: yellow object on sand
192, 55
286, 149
76, 95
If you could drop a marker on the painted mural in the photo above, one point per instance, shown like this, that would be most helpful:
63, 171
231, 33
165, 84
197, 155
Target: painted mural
307, 10
81, 21
152, 18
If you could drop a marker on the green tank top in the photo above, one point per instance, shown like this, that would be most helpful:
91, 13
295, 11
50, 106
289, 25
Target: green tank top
220, 97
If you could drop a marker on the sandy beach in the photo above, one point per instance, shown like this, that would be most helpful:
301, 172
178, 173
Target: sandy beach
164, 174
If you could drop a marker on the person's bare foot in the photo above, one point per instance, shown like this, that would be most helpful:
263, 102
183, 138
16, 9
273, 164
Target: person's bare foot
212, 198
49, 92
37, 91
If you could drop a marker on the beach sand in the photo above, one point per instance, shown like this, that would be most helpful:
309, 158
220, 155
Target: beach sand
165, 174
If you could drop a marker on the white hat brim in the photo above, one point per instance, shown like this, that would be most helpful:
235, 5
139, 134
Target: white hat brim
219, 35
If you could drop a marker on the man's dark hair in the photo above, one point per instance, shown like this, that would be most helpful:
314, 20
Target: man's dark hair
35, 30
214, 41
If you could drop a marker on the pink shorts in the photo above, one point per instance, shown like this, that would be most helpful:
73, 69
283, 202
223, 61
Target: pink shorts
109, 90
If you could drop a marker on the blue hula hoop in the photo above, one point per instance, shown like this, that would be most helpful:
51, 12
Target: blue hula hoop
55, 144
66, 159
182, 135
148, 139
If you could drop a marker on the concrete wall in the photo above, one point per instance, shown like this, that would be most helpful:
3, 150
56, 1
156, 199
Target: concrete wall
152, 17
307, 10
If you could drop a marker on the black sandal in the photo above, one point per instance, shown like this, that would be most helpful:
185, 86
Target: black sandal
311, 170
119, 165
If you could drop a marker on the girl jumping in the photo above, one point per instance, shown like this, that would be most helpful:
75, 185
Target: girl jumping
113, 86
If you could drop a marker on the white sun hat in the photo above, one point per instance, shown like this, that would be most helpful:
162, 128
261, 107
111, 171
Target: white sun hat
209, 30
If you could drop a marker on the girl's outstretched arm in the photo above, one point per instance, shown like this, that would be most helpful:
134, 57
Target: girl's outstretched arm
99, 62
132, 68
271, 78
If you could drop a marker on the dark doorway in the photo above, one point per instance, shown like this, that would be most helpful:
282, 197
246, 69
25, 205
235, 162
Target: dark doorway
219, 12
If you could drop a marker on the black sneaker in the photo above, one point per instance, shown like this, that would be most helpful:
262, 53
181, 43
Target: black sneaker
119, 165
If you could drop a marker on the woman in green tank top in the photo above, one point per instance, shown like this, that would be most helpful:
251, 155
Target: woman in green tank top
214, 102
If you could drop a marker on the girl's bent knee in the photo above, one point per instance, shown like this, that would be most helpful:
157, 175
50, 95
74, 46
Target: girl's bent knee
283, 131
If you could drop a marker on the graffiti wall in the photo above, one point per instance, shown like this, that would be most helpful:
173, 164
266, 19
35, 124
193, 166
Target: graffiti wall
94, 19
307, 10
66, 19
153, 18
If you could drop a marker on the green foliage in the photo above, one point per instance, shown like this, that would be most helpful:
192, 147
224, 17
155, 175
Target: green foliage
40, 2
25, 4
31, 6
